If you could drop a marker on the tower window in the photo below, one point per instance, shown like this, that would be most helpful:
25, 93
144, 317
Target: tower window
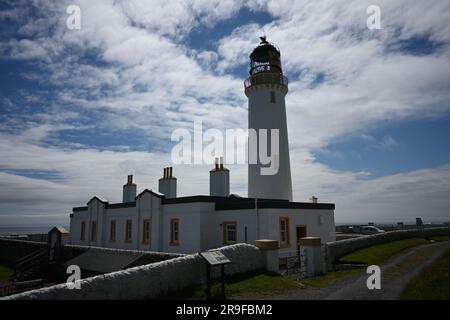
272, 97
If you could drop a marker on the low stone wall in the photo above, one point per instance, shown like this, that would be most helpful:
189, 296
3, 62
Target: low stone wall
12, 250
70, 251
335, 250
58, 272
152, 280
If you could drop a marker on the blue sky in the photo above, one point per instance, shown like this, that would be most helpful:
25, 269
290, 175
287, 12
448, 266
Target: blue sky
368, 110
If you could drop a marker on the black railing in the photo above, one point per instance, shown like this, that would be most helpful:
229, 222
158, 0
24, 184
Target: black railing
266, 78
18, 287
31, 264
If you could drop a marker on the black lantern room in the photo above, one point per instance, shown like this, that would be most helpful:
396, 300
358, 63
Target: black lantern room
265, 58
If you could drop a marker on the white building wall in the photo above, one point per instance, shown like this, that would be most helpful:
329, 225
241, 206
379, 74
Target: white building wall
200, 226
270, 225
189, 215
121, 215
149, 207
263, 114
75, 227
243, 218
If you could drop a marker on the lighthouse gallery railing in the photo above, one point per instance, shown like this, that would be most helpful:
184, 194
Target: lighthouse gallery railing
265, 78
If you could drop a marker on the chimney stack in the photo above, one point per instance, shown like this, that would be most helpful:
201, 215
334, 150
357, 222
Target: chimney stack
168, 184
219, 180
129, 190
313, 199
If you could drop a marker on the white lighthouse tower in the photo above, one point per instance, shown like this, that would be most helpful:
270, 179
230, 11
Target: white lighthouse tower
266, 89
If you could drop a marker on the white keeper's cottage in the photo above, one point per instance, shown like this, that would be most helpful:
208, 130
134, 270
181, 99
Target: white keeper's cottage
161, 221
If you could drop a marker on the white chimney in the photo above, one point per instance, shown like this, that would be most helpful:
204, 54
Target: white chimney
168, 184
313, 199
219, 180
129, 190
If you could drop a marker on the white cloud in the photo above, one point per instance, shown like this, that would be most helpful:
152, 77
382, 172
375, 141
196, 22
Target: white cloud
147, 78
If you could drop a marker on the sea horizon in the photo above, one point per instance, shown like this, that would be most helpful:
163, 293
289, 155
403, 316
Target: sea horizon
27, 229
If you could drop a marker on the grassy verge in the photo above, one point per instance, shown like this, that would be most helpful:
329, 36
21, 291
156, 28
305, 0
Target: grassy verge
330, 277
254, 286
380, 253
433, 283
249, 285
5, 273
409, 262
440, 238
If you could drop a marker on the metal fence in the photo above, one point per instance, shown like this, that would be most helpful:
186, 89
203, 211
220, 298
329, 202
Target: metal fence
18, 287
294, 265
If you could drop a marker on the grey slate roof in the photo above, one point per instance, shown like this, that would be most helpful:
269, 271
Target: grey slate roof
104, 261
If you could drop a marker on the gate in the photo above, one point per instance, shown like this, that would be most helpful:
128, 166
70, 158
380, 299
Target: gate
294, 265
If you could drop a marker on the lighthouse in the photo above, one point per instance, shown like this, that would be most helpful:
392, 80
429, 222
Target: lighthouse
266, 88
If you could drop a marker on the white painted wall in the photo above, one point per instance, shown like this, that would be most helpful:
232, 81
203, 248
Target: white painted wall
129, 193
219, 183
262, 114
200, 226
121, 215
190, 222
270, 225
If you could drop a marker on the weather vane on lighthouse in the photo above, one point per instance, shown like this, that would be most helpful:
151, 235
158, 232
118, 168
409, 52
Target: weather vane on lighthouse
264, 39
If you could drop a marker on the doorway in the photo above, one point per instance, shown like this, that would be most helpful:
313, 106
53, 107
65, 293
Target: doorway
300, 233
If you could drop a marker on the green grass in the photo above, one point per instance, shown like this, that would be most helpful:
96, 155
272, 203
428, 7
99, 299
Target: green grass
330, 277
380, 253
253, 286
407, 264
433, 283
248, 285
5, 273
440, 238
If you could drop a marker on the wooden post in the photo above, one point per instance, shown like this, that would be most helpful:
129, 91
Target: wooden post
222, 279
208, 281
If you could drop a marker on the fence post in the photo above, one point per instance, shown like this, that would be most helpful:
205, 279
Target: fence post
269, 249
313, 249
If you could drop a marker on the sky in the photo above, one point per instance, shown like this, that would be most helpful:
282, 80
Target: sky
368, 110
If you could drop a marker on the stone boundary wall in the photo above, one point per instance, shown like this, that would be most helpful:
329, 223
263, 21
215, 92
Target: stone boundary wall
336, 249
71, 251
152, 280
11, 250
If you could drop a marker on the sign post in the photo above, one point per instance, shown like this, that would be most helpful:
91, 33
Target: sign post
214, 258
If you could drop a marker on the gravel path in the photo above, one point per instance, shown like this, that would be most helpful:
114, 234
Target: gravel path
354, 287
